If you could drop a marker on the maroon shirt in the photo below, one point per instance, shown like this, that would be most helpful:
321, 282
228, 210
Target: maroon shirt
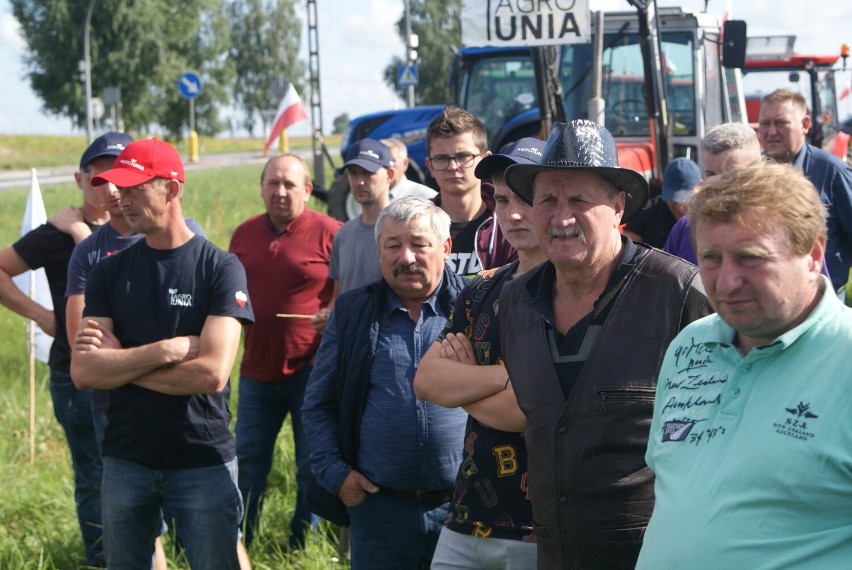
287, 273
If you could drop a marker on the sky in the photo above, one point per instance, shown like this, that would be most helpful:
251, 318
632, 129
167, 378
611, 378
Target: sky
356, 43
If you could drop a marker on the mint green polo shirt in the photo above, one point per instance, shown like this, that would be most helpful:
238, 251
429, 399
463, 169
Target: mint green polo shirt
753, 454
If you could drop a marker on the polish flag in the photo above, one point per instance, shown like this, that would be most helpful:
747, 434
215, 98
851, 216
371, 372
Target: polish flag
290, 111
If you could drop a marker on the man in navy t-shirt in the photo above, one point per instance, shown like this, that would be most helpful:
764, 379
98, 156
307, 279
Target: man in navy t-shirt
161, 330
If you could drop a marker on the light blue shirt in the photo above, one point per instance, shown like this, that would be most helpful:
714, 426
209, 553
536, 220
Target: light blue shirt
753, 454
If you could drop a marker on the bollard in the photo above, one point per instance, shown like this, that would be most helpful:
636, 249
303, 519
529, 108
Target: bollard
193, 146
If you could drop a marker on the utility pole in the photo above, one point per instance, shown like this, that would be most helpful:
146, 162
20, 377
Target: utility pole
87, 70
315, 99
408, 49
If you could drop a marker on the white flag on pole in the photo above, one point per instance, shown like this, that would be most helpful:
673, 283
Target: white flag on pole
34, 283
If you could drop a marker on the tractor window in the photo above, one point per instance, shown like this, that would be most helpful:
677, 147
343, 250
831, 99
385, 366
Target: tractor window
500, 88
623, 83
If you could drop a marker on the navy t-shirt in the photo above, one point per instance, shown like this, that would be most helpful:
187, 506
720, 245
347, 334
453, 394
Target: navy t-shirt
155, 294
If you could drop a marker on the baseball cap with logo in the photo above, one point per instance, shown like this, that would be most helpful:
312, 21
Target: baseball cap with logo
142, 161
370, 155
522, 151
108, 144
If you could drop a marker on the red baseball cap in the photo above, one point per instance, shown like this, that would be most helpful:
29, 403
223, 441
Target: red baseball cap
142, 161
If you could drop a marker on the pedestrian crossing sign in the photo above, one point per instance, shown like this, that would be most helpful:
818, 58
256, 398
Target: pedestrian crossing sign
406, 76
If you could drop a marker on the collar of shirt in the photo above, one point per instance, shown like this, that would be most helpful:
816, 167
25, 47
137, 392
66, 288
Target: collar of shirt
292, 225
540, 285
395, 304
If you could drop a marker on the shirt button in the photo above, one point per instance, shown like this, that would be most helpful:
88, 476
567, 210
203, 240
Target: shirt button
735, 393
563, 500
747, 368
563, 429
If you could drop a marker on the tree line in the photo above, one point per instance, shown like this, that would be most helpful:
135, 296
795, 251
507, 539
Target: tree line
243, 50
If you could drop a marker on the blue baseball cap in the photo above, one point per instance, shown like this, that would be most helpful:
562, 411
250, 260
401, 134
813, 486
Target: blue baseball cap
679, 178
527, 150
108, 144
369, 154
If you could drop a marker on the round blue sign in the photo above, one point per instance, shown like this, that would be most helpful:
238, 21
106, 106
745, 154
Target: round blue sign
189, 85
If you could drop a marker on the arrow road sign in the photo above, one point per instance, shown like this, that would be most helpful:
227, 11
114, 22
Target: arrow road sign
189, 85
406, 76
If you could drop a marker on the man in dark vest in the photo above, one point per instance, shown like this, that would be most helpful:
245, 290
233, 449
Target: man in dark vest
583, 338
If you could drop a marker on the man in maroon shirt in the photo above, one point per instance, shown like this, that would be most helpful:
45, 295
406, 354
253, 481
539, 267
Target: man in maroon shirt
285, 252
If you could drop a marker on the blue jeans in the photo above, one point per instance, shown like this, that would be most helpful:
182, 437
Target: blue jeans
262, 408
73, 410
204, 502
389, 533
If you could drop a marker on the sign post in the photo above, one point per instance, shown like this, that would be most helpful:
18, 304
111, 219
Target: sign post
189, 86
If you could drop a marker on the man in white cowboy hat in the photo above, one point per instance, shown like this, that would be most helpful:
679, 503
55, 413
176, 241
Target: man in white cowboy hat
583, 337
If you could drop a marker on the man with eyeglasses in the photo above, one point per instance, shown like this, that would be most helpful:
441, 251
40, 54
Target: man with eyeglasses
456, 141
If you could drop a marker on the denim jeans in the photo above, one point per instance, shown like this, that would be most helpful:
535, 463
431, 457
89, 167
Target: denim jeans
262, 408
73, 410
389, 533
204, 502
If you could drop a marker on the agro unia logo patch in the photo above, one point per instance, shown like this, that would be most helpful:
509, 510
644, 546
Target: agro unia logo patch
179, 299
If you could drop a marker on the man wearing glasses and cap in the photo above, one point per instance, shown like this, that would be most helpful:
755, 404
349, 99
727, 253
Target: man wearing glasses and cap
583, 336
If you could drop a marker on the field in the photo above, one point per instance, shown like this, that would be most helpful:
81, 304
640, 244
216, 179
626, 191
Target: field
38, 528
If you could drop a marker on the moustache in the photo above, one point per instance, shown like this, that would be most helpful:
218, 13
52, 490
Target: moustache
571, 231
411, 268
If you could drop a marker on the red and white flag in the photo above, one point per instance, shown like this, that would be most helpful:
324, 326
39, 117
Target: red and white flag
289, 112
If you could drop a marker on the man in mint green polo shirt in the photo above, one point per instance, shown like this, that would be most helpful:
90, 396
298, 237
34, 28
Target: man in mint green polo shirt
751, 438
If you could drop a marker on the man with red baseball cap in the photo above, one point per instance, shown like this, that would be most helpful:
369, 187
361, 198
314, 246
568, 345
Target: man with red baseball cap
161, 330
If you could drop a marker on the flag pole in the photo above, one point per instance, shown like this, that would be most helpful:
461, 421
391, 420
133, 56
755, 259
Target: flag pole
31, 340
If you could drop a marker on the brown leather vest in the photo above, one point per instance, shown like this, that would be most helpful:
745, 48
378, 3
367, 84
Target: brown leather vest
592, 494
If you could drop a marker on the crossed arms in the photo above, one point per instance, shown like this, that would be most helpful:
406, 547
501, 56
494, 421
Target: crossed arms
450, 376
176, 366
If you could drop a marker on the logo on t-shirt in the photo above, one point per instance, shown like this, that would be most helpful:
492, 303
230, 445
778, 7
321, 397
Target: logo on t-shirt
179, 299
796, 425
241, 298
677, 430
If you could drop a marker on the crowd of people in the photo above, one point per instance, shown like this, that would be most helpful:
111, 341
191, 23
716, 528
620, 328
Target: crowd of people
536, 366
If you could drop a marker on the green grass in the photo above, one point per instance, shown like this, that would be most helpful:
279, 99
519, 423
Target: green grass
38, 528
19, 152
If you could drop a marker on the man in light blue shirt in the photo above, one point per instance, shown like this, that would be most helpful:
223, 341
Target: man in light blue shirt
389, 458
751, 438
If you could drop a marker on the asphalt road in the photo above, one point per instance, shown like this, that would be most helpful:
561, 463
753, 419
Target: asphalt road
57, 175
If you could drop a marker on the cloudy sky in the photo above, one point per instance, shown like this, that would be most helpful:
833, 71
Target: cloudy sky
356, 43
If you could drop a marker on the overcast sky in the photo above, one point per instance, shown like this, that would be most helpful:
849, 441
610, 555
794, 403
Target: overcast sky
357, 41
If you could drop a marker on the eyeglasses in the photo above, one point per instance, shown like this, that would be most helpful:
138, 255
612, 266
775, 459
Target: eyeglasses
442, 162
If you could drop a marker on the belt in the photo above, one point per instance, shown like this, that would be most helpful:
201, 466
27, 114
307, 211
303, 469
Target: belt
426, 498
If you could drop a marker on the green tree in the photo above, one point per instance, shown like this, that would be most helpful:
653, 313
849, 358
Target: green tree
340, 123
141, 47
437, 24
265, 40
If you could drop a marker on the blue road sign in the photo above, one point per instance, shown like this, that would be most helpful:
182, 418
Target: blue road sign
189, 85
406, 76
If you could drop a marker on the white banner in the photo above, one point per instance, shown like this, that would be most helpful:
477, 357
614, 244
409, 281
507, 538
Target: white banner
525, 22
34, 283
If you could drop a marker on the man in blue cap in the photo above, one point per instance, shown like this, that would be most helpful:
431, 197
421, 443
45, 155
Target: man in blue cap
50, 246
489, 524
654, 224
370, 170
583, 336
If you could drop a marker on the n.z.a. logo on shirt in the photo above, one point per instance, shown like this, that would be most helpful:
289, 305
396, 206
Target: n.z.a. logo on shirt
797, 423
677, 430
179, 299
